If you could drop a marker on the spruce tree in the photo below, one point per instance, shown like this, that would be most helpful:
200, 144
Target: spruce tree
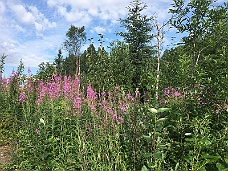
138, 35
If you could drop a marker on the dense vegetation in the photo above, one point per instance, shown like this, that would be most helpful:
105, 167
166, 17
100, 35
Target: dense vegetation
126, 108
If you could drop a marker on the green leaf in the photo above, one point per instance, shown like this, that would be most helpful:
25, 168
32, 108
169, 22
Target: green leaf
210, 157
144, 168
226, 160
161, 119
163, 109
148, 138
146, 155
189, 139
158, 155
177, 165
153, 110
202, 169
159, 127
221, 167
207, 142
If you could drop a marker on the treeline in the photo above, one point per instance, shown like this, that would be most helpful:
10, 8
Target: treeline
134, 63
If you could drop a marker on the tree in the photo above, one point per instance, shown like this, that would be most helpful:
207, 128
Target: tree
138, 36
89, 54
159, 36
175, 68
58, 62
69, 66
45, 71
205, 25
76, 37
2, 62
206, 45
120, 65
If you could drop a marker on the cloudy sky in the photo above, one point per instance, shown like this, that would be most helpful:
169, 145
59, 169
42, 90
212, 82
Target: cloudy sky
34, 30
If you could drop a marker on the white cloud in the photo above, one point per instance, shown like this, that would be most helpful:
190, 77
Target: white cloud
75, 11
31, 52
98, 30
22, 14
2, 8
31, 16
19, 28
75, 16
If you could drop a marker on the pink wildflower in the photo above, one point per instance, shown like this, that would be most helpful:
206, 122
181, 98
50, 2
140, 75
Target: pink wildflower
23, 97
77, 103
103, 93
114, 117
121, 120
37, 131
91, 93
176, 94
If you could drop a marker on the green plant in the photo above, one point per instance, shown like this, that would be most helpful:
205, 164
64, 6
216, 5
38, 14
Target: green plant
157, 141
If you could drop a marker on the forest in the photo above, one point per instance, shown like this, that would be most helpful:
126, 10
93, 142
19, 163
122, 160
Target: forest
130, 106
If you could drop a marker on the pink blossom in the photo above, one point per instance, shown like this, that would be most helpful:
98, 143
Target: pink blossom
91, 93
123, 108
39, 101
103, 93
114, 117
176, 94
37, 131
77, 103
93, 107
129, 96
121, 120
23, 97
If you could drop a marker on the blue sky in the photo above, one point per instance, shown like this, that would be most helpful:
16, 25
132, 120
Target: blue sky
34, 30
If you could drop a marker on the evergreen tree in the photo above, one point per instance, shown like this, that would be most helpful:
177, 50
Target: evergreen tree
58, 62
138, 35
69, 67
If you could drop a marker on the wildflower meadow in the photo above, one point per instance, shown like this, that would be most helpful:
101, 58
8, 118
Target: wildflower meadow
60, 125
137, 105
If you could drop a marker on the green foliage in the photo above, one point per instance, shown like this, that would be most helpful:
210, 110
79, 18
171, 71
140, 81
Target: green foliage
175, 67
157, 140
107, 69
76, 37
58, 62
138, 36
2, 62
45, 71
120, 65
205, 46
60, 123
69, 66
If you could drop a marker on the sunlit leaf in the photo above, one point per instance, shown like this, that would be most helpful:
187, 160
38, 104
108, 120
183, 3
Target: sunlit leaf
42, 121
144, 168
163, 109
153, 110
189, 139
161, 119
